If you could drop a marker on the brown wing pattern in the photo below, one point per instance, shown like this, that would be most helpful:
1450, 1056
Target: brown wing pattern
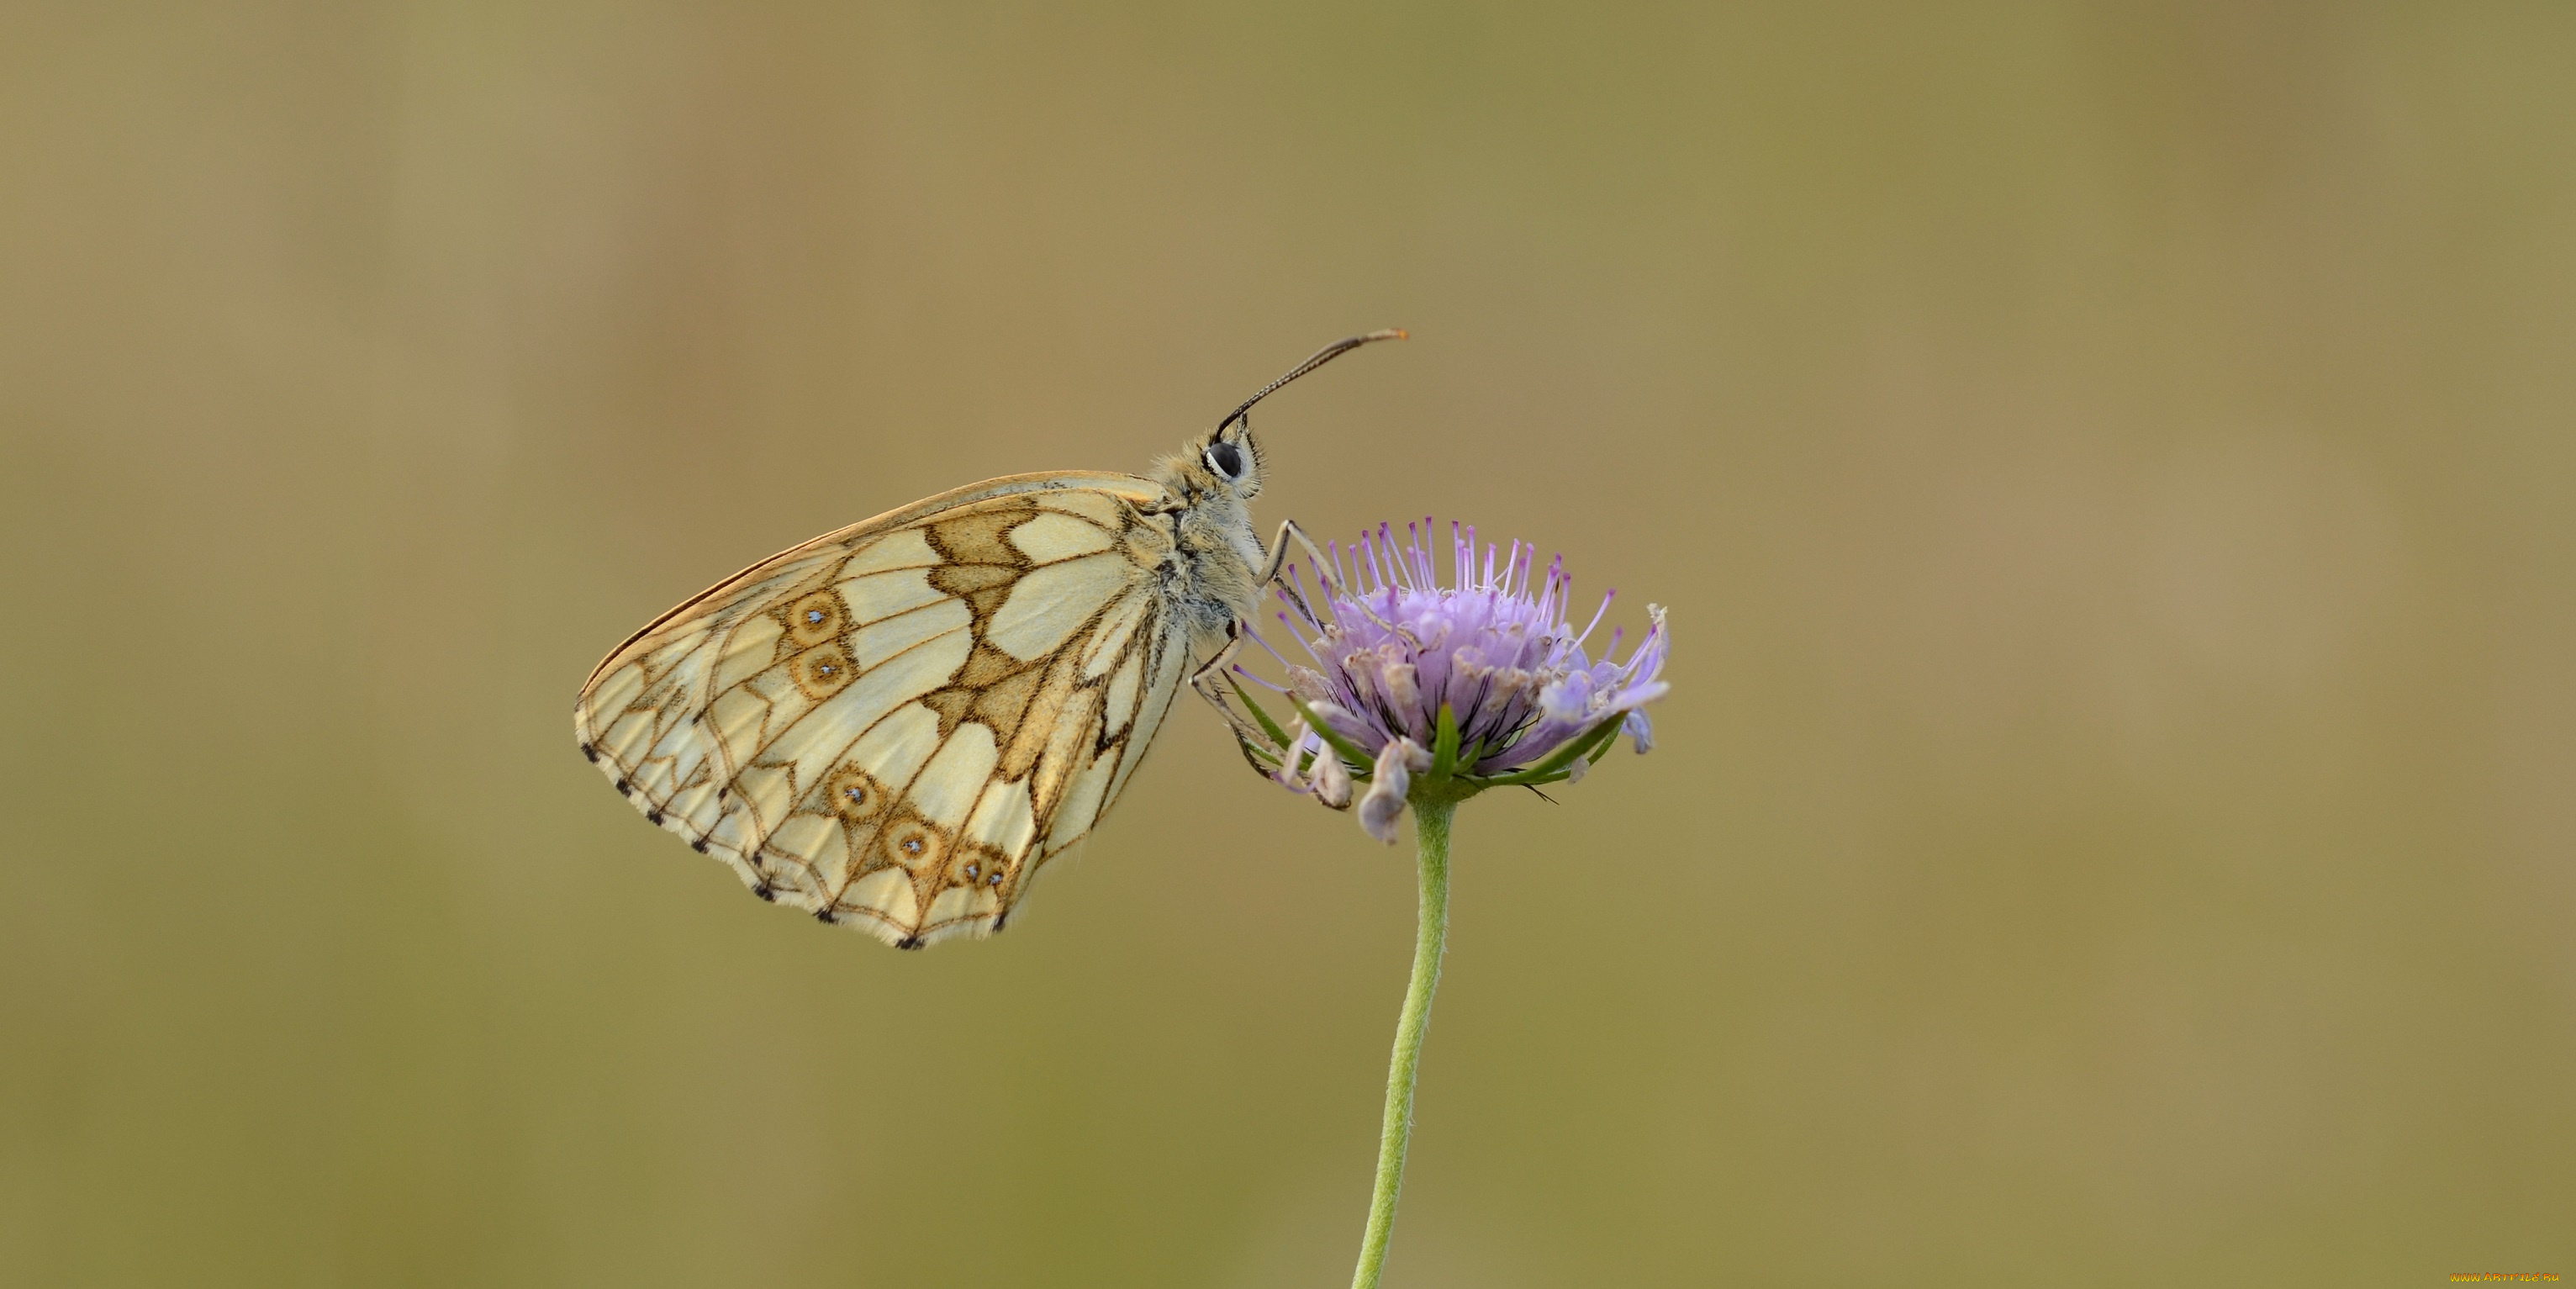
895, 726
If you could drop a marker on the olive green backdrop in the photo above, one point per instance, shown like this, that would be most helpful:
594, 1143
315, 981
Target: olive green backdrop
2110, 465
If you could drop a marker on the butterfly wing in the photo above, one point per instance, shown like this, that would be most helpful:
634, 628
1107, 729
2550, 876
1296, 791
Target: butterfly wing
894, 726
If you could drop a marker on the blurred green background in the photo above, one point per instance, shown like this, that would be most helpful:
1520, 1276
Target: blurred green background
2110, 466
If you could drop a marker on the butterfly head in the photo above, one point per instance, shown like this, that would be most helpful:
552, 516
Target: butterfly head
1231, 460
1216, 476
1228, 462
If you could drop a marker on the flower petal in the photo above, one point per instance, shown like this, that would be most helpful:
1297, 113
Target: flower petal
1332, 780
1393, 778
1639, 731
1286, 775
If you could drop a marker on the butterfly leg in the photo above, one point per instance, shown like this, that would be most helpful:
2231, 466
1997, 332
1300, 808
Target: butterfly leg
1207, 680
1324, 572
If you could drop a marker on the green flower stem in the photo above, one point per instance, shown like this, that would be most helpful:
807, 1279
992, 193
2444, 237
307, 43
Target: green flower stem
1431, 815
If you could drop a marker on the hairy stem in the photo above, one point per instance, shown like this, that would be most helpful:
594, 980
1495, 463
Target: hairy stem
1431, 839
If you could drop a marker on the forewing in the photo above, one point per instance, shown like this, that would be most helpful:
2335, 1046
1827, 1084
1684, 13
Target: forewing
896, 725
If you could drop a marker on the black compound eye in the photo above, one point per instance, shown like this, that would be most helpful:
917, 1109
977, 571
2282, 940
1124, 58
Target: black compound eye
1225, 459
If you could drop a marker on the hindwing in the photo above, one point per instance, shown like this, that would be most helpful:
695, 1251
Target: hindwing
896, 725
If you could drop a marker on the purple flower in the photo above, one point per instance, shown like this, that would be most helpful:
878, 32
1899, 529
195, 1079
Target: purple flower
1419, 686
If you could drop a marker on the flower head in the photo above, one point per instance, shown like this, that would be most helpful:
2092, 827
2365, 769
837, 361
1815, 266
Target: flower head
1479, 683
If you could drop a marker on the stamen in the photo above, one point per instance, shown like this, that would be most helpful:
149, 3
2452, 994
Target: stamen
1596, 621
1255, 637
1257, 678
1302, 642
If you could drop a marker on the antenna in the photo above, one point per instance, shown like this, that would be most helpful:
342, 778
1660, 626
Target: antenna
1321, 356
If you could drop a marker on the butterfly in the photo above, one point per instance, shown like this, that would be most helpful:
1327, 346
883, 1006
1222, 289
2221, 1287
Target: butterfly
894, 726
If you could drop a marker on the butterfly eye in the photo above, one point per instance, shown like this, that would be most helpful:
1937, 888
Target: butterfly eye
995, 879
1225, 459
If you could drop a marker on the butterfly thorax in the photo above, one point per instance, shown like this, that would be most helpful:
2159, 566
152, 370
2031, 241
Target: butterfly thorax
1210, 576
